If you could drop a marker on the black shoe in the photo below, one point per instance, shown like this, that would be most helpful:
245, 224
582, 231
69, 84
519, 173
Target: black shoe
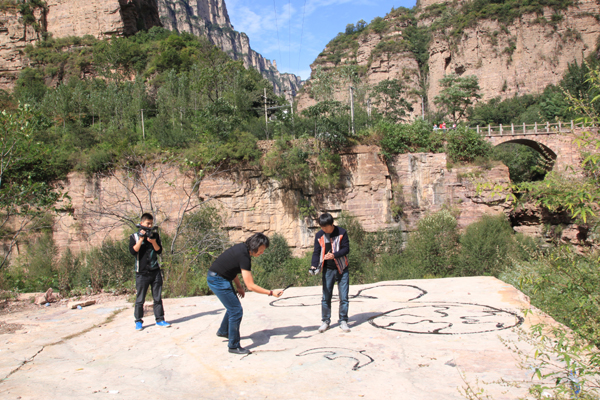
225, 336
240, 350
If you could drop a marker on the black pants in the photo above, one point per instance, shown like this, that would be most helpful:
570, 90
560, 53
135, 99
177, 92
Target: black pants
142, 282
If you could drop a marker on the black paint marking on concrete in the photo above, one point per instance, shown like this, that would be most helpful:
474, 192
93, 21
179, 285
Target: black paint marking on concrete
315, 299
331, 353
445, 318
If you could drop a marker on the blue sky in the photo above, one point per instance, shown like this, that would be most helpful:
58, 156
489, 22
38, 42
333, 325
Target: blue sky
276, 29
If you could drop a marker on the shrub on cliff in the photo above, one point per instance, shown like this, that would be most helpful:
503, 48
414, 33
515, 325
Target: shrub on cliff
409, 138
465, 145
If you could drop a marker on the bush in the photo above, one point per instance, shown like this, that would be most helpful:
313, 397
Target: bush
409, 138
565, 285
108, 266
486, 246
33, 270
187, 257
433, 248
276, 255
465, 145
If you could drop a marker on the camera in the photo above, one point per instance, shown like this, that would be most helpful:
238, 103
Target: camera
149, 233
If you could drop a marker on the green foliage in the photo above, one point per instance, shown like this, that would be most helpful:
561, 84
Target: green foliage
486, 246
27, 9
434, 247
33, 271
497, 111
327, 169
288, 163
390, 99
465, 145
107, 266
189, 252
330, 122
273, 259
524, 163
457, 95
378, 25
26, 166
409, 138
470, 13
565, 285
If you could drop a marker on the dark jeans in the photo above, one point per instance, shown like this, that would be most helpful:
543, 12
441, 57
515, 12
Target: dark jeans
330, 276
230, 325
142, 282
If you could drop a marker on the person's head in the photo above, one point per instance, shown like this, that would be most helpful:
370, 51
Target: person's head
257, 244
326, 222
147, 220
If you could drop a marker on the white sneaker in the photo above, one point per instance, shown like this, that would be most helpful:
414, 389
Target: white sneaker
324, 326
344, 326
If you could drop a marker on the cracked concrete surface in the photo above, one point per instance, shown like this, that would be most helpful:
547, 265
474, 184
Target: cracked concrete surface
409, 340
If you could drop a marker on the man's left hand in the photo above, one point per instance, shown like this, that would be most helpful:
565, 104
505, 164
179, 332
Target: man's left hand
241, 292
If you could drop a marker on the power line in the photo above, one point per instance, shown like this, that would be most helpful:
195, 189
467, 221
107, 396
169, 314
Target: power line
301, 35
277, 27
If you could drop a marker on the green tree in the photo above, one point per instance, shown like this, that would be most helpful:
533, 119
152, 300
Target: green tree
457, 95
390, 98
25, 197
464, 144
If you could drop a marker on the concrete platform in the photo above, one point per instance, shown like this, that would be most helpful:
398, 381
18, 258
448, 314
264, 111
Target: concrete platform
409, 340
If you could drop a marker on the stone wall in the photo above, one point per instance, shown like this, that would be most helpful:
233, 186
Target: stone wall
250, 202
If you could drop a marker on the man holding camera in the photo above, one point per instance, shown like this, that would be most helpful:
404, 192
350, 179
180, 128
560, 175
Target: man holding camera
145, 246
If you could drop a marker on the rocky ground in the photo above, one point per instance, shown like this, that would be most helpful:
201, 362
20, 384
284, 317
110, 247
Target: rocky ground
420, 339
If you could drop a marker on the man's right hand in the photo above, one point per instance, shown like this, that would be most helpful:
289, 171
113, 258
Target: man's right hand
312, 270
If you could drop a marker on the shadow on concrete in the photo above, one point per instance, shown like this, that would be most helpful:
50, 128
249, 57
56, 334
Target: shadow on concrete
263, 337
359, 319
194, 316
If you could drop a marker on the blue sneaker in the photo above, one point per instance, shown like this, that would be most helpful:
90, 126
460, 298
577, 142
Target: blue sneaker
163, 323
138, 326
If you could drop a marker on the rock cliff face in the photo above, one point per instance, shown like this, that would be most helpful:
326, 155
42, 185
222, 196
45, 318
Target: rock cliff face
104, 18
418, 183
100, 18
524, 59
13, 39
209, 18
521, 58
62, 18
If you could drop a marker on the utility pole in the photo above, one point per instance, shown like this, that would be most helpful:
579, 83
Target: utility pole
266, 118
369, 108
352, 108
143, 129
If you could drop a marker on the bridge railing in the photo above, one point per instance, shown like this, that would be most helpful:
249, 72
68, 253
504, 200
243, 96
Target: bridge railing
527, 129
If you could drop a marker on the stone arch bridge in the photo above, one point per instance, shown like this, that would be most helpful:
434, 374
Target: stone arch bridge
556, 142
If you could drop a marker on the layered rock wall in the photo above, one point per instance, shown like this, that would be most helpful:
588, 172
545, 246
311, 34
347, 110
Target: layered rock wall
100, 18
14, 37
250, 202
524, 58
103, 19
209, 18
516, 59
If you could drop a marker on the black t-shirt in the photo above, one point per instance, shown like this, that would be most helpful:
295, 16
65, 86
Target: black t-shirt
232, 262
329, 264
